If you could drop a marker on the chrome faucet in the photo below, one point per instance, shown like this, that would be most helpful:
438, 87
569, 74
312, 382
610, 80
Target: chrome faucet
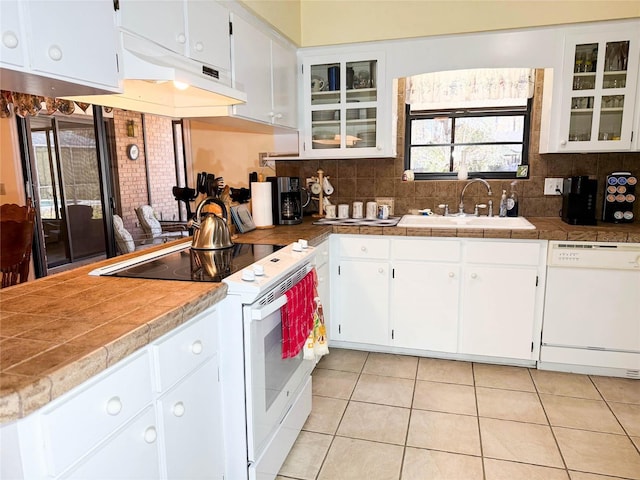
483, 181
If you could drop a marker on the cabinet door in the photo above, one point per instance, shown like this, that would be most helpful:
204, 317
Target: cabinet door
60, 32
209, 39
285, 81
323, 290
362, 303
498, 311
599, 91
252, 70
344, 106
161, 21
12, 47
130, 453
192, 424
424, 306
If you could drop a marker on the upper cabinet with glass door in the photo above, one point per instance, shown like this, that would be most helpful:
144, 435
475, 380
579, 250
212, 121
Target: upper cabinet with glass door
344, 108
599, 92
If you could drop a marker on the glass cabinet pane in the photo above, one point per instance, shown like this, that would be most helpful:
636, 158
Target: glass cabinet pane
585, 65
581, 119
325, 84
361, 128
361, 81
611, 117
615, 65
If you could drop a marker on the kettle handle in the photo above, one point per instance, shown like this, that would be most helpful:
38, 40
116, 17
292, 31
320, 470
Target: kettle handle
211, 200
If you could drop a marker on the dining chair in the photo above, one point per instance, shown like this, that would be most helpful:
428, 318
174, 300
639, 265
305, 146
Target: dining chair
16, 239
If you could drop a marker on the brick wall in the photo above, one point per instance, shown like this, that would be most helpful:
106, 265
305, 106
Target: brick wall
131, 175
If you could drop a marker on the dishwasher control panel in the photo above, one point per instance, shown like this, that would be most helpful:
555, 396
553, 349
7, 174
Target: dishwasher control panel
618, 256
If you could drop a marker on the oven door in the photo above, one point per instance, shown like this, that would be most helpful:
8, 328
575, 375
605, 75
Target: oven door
272, 382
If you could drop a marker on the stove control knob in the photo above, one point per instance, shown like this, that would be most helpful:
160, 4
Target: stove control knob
258, 270
296, 247
248, 275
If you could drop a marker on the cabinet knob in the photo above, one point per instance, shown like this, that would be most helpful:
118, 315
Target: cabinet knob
363, 248
178, 409
181, 38
378, 147
9, 39
196, 347
451, 274
563, 143
278, 115
150, 435
199, 46
380, 270
474, 275
55, 53
114, 406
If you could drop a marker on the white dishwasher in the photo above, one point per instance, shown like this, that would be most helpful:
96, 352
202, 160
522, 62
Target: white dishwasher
591, 320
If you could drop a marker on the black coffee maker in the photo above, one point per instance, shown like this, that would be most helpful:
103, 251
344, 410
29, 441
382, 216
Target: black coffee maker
579, 200
287, 200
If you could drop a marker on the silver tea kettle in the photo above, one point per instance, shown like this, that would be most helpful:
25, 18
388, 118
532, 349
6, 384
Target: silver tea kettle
211, 232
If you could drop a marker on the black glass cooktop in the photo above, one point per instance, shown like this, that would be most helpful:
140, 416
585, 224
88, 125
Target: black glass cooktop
199, 265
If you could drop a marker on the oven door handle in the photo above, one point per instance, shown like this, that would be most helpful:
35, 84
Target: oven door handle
264, 312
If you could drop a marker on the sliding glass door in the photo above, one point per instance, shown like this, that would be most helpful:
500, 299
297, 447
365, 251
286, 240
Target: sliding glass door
67, 188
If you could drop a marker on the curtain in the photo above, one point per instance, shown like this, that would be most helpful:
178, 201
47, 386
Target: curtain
470, 88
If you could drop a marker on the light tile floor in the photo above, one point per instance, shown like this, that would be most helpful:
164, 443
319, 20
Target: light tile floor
382, 416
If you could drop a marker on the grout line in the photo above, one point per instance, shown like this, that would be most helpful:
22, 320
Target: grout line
475, 396
553, 433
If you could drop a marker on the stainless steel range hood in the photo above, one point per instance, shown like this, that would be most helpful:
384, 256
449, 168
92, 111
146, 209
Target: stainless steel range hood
152, 76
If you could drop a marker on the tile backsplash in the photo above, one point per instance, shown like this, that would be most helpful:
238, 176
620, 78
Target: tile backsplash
365, 179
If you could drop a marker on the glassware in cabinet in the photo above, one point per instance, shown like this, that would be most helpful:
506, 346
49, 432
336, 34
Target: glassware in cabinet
602, 94
343, 110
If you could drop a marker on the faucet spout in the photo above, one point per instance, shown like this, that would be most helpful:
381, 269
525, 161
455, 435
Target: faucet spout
481, 180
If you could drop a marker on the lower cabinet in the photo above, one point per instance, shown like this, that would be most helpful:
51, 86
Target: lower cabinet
498, 312
362, 304
465, 296
502, 299
424, 306
191, 420
131, 453
360, 290
155, 414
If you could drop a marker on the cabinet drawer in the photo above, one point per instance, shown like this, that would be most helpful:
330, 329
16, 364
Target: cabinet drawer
427, 250
503, 253
82, 418
363, 247
181, 351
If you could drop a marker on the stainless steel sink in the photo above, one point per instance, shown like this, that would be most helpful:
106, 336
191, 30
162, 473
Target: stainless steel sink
485, 223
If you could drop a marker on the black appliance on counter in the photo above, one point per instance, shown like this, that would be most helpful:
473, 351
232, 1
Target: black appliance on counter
619, 196
199, 265
579, 200
286, 200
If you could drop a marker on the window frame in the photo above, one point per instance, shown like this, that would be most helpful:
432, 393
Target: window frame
454, 113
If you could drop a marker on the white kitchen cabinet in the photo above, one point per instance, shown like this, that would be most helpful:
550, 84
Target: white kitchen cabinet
13, 40
596, 91
265, 69
360, 291
192, 425
425, 293
41, 38
195, 29
130, 453
501, 299
345, 106
155, 414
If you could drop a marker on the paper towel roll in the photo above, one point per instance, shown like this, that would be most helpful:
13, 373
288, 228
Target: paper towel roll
261, 205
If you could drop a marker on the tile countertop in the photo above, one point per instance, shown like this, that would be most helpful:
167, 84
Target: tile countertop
59, 331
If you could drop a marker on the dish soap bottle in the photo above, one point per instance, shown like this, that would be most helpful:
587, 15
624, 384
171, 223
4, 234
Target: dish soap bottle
512, 202
503, 204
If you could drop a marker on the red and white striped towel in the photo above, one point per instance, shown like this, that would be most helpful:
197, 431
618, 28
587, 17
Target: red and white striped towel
297, 315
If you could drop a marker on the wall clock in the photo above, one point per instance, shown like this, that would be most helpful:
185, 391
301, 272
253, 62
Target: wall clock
133, 151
